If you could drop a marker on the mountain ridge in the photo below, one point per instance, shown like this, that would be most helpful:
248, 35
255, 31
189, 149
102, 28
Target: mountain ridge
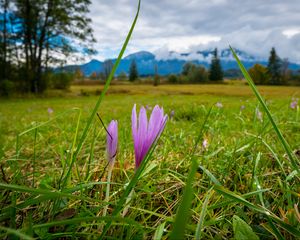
173, 62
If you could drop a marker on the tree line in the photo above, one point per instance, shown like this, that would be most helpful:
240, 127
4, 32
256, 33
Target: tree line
38, 34
275, 73
191, 72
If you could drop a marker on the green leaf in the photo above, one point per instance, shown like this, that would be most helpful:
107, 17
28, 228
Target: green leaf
183, 211
203, 214
242, 231
159, 231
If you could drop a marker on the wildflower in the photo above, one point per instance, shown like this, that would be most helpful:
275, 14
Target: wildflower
111, 148
172, 113
112, 141
219, 105
242, 107
294, 103
144, 133
50, 110
148, 107
259, 115
205, 144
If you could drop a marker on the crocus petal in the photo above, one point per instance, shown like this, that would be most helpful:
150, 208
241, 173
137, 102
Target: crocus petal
134, 122
142, 135
112, 140
145, 134
154, 124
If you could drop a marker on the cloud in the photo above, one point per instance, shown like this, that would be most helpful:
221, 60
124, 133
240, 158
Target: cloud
187, 25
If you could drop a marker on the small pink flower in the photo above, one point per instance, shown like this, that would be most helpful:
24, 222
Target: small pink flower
205, 144
259, 115
50, 110
219, 105
172, 113
294, 103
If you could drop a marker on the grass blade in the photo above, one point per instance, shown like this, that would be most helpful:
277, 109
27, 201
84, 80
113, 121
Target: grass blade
183, 211
106, 86
16, 233
292, 157
211, 176
50, 194
159, 231
259, 209
202, 214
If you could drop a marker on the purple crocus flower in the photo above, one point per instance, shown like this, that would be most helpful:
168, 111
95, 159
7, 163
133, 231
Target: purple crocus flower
112, 141
144, 133
294, 103
50, 110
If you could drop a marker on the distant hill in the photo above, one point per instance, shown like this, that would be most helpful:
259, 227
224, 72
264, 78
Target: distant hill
173, 62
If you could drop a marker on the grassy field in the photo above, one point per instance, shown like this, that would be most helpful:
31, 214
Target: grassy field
245, 183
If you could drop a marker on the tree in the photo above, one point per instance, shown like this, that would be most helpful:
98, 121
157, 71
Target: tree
216, 72
259, 74
274, 68
107, 68
156, 79
285, 71
44, 29
78, 75
194, 73
197, 74
4, 61
172, 78
187, 68
122, 76
133, 72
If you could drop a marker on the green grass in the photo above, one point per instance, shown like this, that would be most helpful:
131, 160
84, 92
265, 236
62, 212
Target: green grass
244, 155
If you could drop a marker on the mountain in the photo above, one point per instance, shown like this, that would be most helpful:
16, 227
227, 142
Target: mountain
173, 62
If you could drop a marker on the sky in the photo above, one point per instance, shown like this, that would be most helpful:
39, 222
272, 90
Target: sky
253, 26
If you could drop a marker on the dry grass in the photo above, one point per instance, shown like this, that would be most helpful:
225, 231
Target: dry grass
210, 89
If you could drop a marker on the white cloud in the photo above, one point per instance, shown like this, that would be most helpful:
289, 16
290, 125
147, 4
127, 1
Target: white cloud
189, 25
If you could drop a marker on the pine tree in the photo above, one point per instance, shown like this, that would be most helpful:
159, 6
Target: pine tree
133, 72
274, 68
216, 72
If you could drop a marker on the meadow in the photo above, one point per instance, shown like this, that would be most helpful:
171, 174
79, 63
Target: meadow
244, 185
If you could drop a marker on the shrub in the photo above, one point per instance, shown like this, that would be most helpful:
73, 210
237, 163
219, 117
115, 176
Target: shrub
122, 76
259, 74
6, 88
61, 80
156, 80
198, 74
172, 78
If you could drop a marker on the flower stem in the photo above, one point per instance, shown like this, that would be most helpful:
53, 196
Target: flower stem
127, 205
110, 168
